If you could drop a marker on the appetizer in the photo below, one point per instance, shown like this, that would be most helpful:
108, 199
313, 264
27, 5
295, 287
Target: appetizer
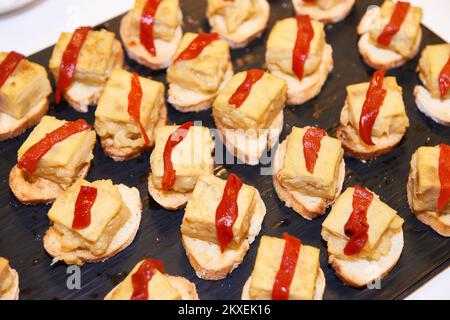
364, 237
9, 281
181, 155
221, 220
238, 21
285, 269
128, 113
326, 11
151, 32
429, 187
434, 71
24, 91
91, 222
298, 53
373, 120
148, 281
53, 157
390, 34
200, 70
309, 171
248, 113
81, 64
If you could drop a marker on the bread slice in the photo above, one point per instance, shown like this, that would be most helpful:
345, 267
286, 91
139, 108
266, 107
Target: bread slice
306, 206
377, 57
137, 52
13, 292
438, 222
360, 272
246, 148
185, 100
247, 32
123, 238
37, 191
209, 262
169, 200
124, 154
186, 288
436, 109
310, 86
333, 15
318, 294
11, 127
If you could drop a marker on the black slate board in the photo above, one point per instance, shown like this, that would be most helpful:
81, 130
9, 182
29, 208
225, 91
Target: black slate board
22, 228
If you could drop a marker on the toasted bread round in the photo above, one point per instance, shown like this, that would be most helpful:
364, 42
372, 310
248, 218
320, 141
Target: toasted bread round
169, 200
137, 52
438, 222
247, 32
318, 294
436, 109
128, 153
11, 127
13, 292
209, 262
333, 15
185, 100
246, 148
306, 206
310, 86
122, 239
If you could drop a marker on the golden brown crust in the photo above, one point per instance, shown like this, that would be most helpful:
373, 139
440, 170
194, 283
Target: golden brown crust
171, 200
333, 15
13, 292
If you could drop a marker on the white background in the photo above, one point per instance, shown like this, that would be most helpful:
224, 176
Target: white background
38, 26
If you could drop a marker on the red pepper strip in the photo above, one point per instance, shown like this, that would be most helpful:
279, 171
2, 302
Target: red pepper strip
283, 279
356, 227
311, 147
397, 18
69, 61
134, 104
83, 205
142, 277
243, 91
444, 79
310, 1
305, 33
147, 23
374, 100
227, 211
444, 176
31, 157
8, 65
168, 179
197, 45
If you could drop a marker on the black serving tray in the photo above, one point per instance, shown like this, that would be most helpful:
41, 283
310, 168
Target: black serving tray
425, 252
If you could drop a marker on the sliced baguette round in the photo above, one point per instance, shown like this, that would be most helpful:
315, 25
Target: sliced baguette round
333, 15
186, 100
137, 52
169, 200
209, 262
13, 292
310, 86
436, 109
318, 292
306, 206
247, 32
11, 127
122, 239
249, 149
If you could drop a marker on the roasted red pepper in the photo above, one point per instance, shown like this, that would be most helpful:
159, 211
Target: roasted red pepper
311, 147
134, 105
197, 45
168, 179
305, 34
444, 176
444, 79
69, 61
227, 211
357, 227
242, 92
142, 277
285, 274
83, 205
32, 156
397, 18
374, 100
147, 24
8, 65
